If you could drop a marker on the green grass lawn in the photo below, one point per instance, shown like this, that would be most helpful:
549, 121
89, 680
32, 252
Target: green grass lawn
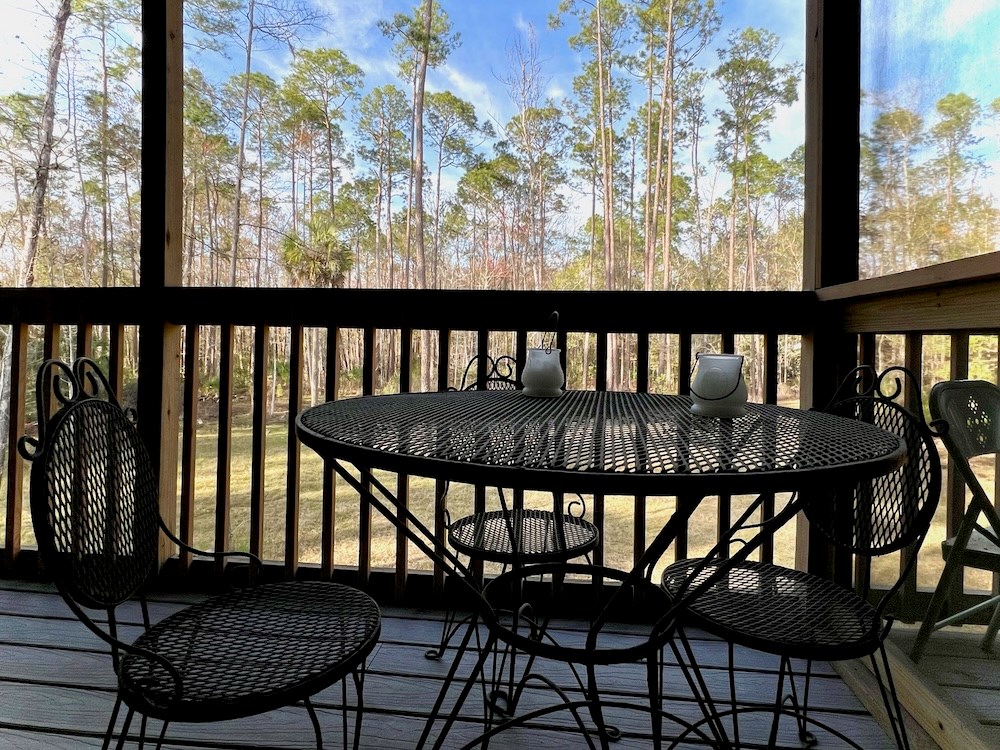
617, 533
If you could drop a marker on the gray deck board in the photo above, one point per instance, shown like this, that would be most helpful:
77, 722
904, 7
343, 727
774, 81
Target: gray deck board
58, 691
954, 661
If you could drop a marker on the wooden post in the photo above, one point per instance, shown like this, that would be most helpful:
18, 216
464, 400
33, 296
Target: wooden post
160, 259
830, 255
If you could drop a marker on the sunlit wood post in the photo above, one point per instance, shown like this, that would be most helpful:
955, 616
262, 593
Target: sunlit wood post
161, 243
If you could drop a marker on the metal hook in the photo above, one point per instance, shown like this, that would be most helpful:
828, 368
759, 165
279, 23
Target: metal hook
554, 325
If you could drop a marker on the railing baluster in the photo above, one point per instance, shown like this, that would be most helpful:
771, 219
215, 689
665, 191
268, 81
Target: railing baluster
913, 360
17, 418
293, 457
954, 486
84, 340
223, 466
189, 438
403, 480
116, 356
329, 532
770, 397
258, 426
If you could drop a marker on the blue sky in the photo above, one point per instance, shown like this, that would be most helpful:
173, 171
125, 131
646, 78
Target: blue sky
949, 46
945, 45
487, 28
950, 43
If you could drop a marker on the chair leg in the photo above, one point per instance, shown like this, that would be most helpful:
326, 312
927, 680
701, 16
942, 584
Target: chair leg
799, 708
991, 631
952, 570
484, 651
314, 719
487, 688
449, 627
654, 671
893, 709
779, 700
111, 724
596, 711
515, 686
359, 688
731, 648
343, 708
163, 734
699, 688
125, 726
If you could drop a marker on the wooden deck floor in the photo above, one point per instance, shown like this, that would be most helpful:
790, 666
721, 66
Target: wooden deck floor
955, 687
57, 691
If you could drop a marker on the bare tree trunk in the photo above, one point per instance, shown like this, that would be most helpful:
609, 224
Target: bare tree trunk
606, 126
389, 244
408, 234
45, 146
37, 200
732, 220
86, 241
241, 149
107, 240
649, 216
418, 186
669, 85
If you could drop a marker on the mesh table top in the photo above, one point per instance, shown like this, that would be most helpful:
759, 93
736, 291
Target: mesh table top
596, 441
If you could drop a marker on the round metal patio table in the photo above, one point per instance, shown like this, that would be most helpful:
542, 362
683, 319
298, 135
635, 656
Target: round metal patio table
592, 442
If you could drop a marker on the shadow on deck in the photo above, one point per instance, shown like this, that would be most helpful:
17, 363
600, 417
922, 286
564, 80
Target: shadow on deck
58, 690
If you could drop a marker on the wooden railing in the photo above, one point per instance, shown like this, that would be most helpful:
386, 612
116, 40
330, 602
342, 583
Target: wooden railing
263, 480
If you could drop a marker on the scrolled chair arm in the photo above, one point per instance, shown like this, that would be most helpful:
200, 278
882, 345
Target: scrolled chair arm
254, 563
120, 645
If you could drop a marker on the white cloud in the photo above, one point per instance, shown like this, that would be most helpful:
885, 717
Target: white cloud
933, 20
524, 26
468, 88
787, 131
556, 92
351, 28
24, 40
958, 15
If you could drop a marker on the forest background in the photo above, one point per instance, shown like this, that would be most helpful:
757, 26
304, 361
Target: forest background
640, 145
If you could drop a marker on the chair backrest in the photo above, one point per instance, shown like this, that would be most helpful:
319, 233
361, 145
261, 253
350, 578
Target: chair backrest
970, 413
971, 409
94, 496
496, 374
892, 511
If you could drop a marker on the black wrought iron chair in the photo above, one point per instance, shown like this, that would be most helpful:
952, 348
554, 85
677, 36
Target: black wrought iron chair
969, 412
797, 615
512, 536
249, 650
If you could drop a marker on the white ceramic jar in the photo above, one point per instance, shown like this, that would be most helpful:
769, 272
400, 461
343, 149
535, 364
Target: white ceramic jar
543, 374
718, 388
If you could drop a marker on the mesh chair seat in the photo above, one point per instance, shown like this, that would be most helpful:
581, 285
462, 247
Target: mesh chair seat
252, 650
540, 535
778, 610
980, 551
